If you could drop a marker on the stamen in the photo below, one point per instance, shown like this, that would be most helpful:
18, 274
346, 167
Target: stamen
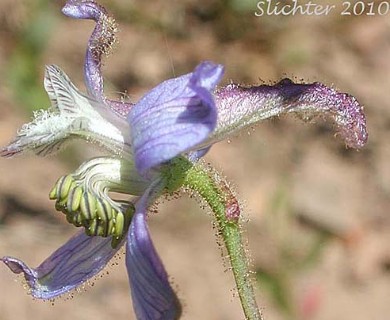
103, 210
88, 206
74, 198
83, 198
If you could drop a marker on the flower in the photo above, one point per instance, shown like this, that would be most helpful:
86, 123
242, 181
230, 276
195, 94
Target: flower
151, 144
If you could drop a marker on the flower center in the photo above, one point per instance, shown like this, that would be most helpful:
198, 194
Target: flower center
83, 197
83, 209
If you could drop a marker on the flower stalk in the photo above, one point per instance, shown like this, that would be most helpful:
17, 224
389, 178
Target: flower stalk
212, 189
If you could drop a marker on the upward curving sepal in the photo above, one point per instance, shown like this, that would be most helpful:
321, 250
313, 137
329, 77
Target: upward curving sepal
100, 44
240, 106
174, 116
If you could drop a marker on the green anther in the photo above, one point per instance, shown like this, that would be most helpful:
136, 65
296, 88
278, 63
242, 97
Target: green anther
63, 186
60, 205
92, 228
103, 210
119, 224
115, 241
53, 193
109, 228
88, 232
97, 228
113, 215
101, 229
70, 217
77, 219
94, 213
74, 198
88, 206
122, 223
128, 215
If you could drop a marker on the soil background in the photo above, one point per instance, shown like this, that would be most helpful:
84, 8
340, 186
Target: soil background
318, 213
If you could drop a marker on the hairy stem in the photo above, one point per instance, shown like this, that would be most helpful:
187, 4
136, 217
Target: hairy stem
213, 190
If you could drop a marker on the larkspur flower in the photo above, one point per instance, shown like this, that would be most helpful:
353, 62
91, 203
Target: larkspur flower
154, 147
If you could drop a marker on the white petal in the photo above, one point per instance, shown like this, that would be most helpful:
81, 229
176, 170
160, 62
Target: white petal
71, 115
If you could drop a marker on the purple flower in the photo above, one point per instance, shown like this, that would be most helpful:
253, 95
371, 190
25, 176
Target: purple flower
180, 117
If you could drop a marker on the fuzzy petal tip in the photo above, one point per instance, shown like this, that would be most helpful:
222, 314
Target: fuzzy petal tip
240, 106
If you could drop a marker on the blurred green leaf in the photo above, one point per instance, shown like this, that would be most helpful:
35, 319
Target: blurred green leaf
24, 74
277, 286
243, 5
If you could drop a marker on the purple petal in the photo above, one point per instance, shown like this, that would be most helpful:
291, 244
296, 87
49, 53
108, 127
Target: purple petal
174, 116
83, 9
153, 297
239, 107
78, 260
194, 156
100, 43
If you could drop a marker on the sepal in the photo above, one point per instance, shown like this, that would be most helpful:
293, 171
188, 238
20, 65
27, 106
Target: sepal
174, 116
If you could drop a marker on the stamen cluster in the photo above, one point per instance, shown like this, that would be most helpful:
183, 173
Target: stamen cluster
84, 209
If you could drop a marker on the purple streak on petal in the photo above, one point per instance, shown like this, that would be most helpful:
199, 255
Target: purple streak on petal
81, 258
153, 297
194, 156
174, 116
100, 43
239, 107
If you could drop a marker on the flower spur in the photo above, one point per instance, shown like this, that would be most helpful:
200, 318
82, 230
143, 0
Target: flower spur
154, 146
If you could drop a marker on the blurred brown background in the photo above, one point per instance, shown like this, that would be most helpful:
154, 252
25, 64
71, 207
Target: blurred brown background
318, 213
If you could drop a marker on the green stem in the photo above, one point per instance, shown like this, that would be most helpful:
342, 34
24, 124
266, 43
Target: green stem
210, 187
